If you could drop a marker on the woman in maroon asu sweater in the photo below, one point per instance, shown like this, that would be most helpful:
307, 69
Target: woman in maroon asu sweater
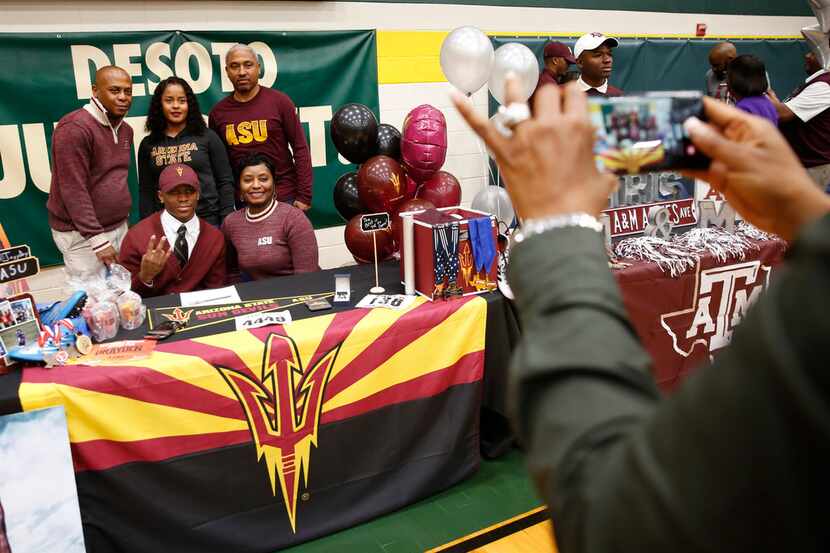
267, 238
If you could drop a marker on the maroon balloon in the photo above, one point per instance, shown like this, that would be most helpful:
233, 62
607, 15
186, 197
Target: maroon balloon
442, 189
411, 186
381, 184
359, 243
407, 205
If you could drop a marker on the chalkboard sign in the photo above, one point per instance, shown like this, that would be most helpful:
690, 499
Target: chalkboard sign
18, 269
14, 253
374, 222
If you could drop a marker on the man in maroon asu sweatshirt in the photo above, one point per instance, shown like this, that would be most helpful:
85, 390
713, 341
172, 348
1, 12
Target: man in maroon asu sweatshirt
89, 200
255, 119
172, 250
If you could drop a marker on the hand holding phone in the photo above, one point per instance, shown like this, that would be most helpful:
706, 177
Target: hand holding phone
638, 134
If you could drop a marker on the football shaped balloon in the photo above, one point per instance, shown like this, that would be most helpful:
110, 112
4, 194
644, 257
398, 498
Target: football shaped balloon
346, 197
442, 190
389, 141
359, 243
415, 204
354, 131
424, 142
411, 186
380, 184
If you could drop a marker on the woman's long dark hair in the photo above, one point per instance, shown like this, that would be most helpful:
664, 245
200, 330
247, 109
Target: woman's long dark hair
157, 124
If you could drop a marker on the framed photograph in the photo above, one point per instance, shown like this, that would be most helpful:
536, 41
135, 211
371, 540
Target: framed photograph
23, 310
23, 325
6, 315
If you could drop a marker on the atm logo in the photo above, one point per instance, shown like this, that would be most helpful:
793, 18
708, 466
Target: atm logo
722, 297
283, 409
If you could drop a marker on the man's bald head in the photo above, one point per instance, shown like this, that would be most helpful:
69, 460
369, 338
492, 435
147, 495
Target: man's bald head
113, 88
242, 68
108, 72
720, 56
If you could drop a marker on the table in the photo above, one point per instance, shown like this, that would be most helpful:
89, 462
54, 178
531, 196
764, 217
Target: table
188, 450
684, 321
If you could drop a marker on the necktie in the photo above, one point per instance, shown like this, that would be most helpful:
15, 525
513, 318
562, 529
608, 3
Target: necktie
180, 247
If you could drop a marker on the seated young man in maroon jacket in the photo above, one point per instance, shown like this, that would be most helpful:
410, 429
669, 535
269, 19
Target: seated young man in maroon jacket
174, 251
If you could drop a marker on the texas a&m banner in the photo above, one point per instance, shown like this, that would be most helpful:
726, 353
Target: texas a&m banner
253, 440
685, 321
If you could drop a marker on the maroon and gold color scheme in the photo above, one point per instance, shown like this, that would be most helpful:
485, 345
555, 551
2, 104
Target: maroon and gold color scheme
360, 245
381, 184
442, 190
468, 282
347, 412
415, 204
683, 321
283, 410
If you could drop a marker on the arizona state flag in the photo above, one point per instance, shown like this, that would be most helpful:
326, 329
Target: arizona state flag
255, 440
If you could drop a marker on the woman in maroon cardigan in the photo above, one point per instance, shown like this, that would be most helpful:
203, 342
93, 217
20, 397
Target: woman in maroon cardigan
267, 238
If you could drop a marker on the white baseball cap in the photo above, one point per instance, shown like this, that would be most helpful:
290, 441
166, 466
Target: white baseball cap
592, 41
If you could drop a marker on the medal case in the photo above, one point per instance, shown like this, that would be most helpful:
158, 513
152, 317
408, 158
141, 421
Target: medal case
420, 237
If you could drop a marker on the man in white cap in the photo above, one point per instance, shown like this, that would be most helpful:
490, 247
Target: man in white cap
595, 58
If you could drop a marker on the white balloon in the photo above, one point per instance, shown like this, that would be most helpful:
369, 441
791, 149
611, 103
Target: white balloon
467, 58
821, 8
819, 43
519, 59
496, 201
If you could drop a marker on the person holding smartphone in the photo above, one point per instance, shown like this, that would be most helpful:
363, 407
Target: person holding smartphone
736, 459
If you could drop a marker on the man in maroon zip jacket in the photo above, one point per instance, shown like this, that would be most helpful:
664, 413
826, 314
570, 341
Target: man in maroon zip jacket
256, 119
172, 250
89, 200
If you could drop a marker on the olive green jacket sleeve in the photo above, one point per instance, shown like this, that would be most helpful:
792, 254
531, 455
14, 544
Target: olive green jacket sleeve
736, 460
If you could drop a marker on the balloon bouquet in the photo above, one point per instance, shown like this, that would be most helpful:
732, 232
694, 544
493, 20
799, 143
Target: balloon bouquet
398, 172
469, 62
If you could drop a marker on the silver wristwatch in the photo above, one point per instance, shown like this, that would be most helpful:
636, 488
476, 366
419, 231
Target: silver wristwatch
531, 227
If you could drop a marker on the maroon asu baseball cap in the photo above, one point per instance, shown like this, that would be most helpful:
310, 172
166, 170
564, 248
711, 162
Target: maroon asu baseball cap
554, 49
176, 174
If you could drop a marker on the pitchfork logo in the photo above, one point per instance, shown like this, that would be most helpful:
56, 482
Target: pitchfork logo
722, 297
283, 409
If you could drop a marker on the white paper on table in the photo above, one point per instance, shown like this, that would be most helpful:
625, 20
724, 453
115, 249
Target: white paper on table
256, 320
216, 296
398, 302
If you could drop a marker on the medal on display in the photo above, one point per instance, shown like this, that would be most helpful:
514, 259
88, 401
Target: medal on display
445, 257
484, 251
83, 344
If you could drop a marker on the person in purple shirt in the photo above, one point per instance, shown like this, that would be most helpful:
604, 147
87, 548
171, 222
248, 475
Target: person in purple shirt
747, 82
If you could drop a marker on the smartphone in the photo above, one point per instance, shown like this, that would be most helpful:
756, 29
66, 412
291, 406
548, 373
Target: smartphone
641, 134
319, 304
